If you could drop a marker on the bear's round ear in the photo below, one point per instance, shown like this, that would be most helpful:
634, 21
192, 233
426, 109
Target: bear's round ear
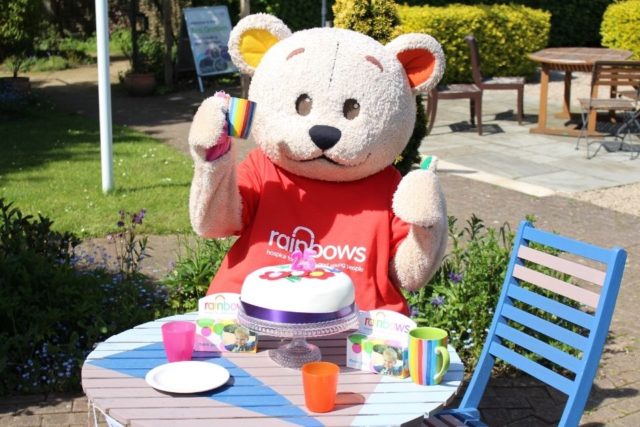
422, 59
252, 37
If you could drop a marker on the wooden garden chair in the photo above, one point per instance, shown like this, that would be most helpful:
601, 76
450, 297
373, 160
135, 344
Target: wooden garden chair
494, 83
623, 80
456, 91
529, 327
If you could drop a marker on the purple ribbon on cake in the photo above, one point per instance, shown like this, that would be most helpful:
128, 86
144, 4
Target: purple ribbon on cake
280, 316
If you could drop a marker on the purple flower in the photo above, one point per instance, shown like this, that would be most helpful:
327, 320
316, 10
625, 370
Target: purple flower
437, 301
414, 312
137, 218
455, 277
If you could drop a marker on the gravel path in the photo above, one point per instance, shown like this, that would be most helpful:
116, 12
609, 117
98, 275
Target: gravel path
625, 198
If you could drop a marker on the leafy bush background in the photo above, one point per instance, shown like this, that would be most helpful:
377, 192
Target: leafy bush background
621, 26
375, 18
505, 34
573, 22
198, 261
55, 304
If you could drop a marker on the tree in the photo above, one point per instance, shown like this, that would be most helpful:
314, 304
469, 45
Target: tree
21, 23
375, 18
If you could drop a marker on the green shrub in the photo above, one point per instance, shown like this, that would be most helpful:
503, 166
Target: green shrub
32, 63
195, 267
375, 18
69, 51
505, 35
573, 22
20, 232
621, 26
21, 23
150, 52
55, 305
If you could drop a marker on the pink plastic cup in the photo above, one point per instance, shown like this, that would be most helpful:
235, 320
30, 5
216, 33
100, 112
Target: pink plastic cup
178, 338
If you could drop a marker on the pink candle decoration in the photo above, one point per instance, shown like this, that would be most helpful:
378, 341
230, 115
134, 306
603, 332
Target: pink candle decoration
304, 261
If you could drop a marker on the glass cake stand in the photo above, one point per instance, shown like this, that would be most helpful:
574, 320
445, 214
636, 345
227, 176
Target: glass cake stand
298, 352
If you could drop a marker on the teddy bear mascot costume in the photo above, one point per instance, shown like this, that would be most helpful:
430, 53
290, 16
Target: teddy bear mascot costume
334, 108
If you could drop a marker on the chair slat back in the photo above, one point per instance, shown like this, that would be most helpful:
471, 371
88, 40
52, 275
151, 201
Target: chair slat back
614, 74
553, 315
569, 267
560, 287
474, 55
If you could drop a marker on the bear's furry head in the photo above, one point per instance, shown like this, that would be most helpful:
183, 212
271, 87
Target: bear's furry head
332, 104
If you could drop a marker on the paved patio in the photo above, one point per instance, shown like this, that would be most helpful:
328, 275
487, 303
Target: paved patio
508, 155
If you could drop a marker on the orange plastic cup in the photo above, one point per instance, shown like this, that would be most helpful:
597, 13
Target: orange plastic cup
320, 381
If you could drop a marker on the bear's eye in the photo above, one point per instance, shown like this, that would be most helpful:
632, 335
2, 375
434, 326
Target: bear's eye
351, 109
303, 104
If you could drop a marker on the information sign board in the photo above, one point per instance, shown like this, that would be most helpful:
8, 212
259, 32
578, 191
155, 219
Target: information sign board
208, 29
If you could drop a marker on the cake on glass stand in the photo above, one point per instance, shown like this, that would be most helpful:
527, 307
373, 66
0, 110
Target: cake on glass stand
298, 351
298, 301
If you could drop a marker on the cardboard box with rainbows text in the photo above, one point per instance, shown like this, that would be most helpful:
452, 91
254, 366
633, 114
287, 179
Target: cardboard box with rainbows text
381, 344
217, 328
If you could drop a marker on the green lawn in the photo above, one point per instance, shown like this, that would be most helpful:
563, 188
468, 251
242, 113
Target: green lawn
50, 164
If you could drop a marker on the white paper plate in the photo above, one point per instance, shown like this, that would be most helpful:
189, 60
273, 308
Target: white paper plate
187, 377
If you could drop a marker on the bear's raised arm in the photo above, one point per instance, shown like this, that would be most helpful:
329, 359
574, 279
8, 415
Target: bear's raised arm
215, 206
420, 202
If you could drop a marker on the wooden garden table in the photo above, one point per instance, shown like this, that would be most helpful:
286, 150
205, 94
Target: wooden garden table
568, 59
260, 392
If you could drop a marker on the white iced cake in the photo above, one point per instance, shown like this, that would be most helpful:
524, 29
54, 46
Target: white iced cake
280, 294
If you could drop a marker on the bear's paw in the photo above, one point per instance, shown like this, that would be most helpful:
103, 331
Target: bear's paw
419, 200
209, 127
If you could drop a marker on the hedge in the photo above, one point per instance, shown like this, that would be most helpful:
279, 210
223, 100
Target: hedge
505, 34
621, 26
573, 22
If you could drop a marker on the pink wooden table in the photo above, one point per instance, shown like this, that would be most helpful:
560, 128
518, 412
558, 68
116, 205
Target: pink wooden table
260, 392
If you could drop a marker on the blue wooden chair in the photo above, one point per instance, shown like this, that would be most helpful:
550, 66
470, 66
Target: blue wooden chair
522, 333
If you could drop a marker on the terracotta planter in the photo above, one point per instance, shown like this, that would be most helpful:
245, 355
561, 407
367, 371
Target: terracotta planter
15, 88
142, 84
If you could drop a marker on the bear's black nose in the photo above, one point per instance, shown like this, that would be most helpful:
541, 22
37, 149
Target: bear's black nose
324, 137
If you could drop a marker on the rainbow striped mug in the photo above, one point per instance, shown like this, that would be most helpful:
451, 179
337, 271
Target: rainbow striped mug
428, 355
239, 117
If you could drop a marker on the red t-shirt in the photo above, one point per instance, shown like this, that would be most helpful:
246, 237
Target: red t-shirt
350, 224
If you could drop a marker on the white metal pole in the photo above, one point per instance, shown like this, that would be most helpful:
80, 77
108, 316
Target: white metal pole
245, 80
104, 95
323, 13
